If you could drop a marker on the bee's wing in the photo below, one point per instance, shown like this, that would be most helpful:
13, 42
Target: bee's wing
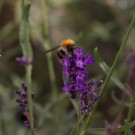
52, 49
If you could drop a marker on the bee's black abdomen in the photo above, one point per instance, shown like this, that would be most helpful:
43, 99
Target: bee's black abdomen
71, 48
61, 54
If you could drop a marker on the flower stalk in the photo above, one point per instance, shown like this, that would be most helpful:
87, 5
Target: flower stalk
27, 53
46, 45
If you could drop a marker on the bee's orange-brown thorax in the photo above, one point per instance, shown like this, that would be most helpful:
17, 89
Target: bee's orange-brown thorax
67, 42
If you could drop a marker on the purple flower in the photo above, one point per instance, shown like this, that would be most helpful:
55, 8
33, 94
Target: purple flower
90, 84
22, 100
79, 86
80, 63
90, 96
66, 61
24, 87
23, 103
66, 72
81, 75
23, 60
89, 59
78, 52
75, 75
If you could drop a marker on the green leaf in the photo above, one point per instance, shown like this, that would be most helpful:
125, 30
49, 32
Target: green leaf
106, 69
24, 32
127, 129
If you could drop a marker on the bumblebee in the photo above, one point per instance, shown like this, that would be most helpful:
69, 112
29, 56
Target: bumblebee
66, 48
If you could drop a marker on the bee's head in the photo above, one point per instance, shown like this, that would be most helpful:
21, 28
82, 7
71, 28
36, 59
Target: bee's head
67, 42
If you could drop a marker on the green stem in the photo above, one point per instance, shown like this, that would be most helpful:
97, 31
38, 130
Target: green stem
27, 52
30, 105
130, 111
45, 19
79, 117
52, 75
46, 45
112, 69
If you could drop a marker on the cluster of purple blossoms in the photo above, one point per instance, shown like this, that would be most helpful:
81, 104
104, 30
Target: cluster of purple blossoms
23, 60
23, 103
75, 75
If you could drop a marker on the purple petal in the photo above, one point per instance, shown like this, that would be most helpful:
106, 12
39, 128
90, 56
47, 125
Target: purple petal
81, 75
21, 60
24, 87
80, 63
66, 61
78, 52
89, 59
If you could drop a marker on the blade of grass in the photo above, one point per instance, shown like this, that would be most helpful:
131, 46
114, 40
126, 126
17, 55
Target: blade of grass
131, 110
111, 70
102, 130
106, 69
46, 45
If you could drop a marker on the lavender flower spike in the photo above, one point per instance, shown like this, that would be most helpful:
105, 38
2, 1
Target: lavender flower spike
90, 96
23, 103
75, 75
